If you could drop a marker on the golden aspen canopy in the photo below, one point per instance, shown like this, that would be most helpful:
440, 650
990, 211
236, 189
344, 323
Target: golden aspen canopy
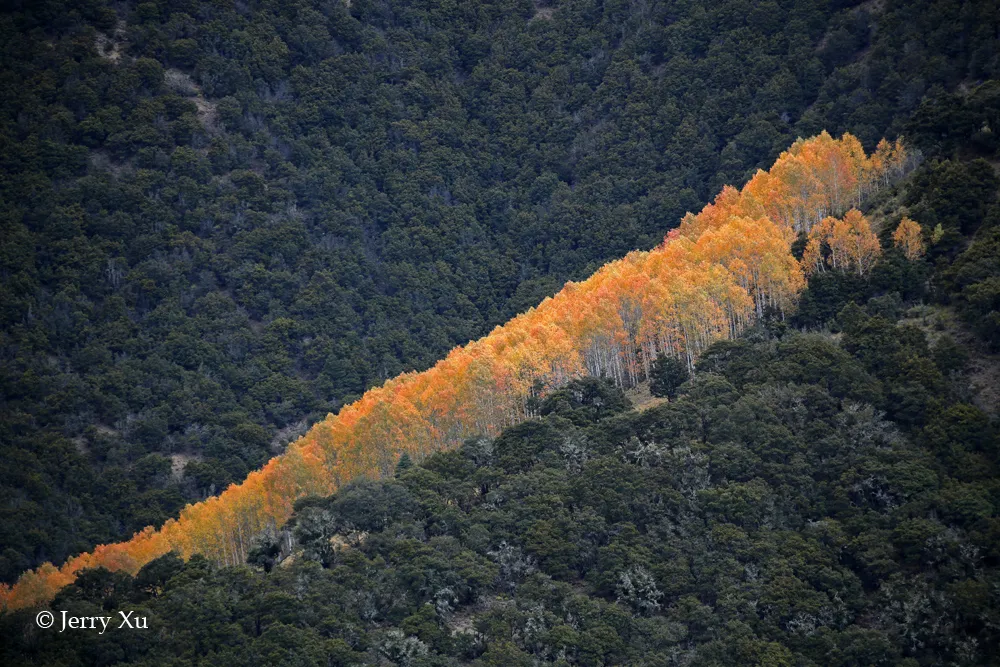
710, 278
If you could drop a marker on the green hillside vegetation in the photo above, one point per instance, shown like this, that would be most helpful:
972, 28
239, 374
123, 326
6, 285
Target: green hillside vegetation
772, 514
222, 220
821, 491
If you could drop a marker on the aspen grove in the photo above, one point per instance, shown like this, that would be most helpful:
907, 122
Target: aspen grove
711, 277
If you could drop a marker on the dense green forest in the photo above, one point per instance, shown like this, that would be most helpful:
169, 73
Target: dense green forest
222, 220
821, 491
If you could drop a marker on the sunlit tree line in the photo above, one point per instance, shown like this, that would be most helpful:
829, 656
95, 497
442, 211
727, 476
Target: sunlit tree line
709, 279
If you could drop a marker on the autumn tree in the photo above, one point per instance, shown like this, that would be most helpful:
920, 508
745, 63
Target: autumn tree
707, 281
909, 238
847, 244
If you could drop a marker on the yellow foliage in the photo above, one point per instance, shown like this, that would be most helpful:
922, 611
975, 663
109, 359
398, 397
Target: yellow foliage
708, 280
909, 238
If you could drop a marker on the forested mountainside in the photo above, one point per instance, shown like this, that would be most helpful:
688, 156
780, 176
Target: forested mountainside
223, 220
822, 490
710, 278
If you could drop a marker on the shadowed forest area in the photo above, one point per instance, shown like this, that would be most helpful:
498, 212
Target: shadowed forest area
223, 221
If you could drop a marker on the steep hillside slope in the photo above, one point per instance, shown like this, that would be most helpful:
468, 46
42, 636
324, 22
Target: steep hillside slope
710, 278
223, 220
770, 514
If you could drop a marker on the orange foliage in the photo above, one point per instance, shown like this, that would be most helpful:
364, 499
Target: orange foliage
852, 243
813, 179
909, 238
708, 280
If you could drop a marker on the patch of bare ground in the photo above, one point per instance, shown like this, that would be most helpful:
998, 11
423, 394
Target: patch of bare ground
207, 114
82, 443
543, 13
463, 620
349, 540
981, 381
105, 430
642, 399
178, 461
182, 84
111, 47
